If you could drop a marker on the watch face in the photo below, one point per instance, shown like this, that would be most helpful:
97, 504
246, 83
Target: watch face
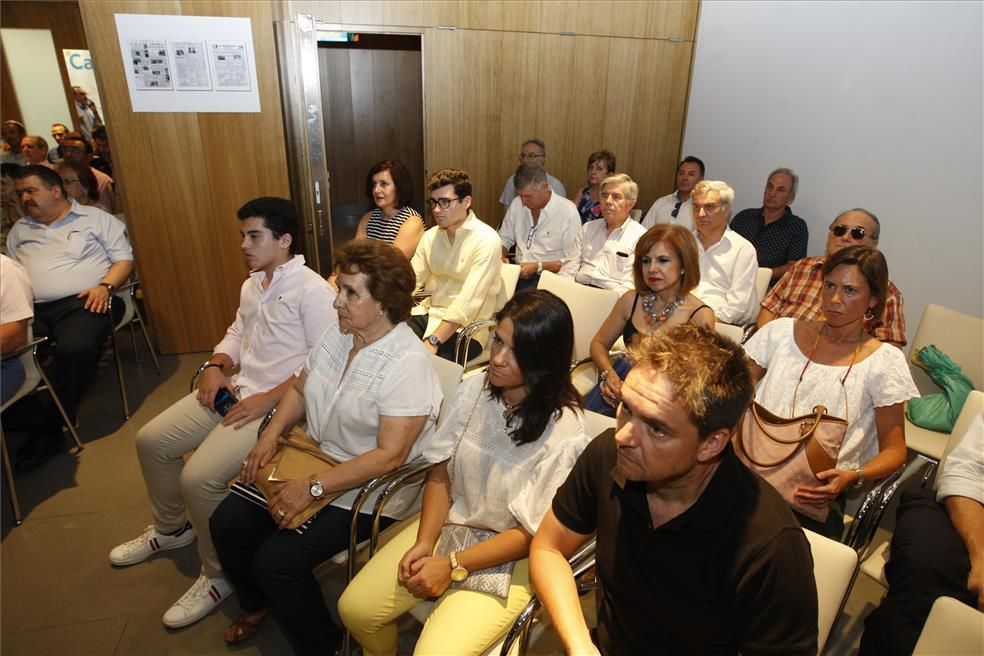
317, 489
459, 574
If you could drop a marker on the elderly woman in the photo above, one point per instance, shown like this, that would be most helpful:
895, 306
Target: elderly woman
370, 396
506, 442
666, 270
802, 364
601, 164
390, 187
80, 184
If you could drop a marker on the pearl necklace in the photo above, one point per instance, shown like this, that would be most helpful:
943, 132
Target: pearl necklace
652, 316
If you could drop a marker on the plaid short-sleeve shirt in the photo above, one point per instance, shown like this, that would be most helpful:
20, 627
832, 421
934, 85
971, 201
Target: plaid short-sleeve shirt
797, 295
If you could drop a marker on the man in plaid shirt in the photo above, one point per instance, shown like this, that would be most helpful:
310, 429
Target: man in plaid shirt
797, 294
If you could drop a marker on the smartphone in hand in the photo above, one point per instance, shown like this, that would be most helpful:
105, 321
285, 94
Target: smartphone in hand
223, 401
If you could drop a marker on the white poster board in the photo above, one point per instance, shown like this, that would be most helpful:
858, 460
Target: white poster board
188, 63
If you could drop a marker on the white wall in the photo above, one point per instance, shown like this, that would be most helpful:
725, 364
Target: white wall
33, 66
877, 105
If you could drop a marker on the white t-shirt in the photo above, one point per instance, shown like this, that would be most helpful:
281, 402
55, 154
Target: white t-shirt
497, 484
391, 377
16, 296
556, 228
963, 473
879, 380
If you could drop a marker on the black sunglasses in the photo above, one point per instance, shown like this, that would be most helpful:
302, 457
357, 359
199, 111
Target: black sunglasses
857, 232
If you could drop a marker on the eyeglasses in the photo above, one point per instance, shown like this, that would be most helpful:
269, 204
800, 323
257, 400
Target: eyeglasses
529, 237
676, 210
709, 208
445, 203
857, 232
531, 155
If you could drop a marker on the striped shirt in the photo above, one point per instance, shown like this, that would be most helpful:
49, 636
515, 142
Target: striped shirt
383, 229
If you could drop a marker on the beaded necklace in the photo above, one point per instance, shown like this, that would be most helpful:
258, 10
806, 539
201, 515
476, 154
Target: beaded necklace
652, 316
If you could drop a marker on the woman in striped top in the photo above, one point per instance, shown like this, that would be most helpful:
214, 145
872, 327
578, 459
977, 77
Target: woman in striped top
393, 220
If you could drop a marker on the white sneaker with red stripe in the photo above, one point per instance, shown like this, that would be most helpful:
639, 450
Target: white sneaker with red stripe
201, 599
150, 542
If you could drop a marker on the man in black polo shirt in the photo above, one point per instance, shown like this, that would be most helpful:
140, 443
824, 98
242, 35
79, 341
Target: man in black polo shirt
696, 554
779, 236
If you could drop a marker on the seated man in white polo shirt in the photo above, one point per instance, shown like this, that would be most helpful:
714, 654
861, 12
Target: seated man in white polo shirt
539, 223
677, 207
728, 262
284, 307
75, 256
603, 252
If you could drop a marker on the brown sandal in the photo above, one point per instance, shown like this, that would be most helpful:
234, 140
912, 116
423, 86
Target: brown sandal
244, 628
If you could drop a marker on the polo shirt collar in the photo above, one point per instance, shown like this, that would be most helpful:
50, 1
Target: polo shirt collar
711, 510
75, 211
284, 269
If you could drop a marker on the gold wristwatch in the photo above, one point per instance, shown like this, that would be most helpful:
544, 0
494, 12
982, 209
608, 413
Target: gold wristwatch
458, 573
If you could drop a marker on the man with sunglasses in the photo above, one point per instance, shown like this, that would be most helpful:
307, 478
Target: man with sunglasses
677, 207
458, 262
797, 294
539, 223
534, 151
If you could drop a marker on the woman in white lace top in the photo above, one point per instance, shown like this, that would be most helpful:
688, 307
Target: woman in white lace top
507, 440
801, 364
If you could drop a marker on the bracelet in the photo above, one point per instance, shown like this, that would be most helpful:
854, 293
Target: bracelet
212, 364
604, 374
108, 286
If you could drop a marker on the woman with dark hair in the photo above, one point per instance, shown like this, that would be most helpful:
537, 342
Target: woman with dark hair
802, 364
390, 187
666, 269
370, 397
80, 184
507, 440
601, 164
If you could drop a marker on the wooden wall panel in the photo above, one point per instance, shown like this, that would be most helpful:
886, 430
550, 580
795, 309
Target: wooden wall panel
184, 176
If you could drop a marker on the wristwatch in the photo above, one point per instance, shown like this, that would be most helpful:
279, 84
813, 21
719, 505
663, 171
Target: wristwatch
317, 489
108, 286
434, 341
539, 267
458, 573
860, 474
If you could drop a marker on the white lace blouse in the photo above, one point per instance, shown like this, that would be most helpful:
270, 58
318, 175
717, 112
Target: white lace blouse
497, 484
879, 380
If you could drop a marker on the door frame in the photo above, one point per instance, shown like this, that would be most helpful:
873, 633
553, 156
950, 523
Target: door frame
300, 93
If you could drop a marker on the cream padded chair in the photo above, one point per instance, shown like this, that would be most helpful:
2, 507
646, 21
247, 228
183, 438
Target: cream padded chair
874, 565
509, 274
735, 332
952, 628
959, 336
834, 567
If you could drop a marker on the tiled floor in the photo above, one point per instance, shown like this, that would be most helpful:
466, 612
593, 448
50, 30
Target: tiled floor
59, 593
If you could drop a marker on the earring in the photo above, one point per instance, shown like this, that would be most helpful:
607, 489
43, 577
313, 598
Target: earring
869, 315
380, 313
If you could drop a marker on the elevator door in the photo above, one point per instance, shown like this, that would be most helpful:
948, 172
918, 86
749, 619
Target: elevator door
372, 109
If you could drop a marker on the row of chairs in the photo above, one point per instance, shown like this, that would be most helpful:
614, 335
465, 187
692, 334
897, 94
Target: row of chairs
35, 379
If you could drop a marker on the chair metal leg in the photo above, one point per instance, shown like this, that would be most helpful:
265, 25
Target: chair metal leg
9, 474
133, 342
58, 404
119, 376
143, 329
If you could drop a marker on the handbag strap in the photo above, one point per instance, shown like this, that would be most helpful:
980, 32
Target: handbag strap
454, 451
809, 360
819, 411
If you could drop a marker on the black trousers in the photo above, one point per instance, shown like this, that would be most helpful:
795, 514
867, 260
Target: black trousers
272, 569
78, 335
928, 560
418, 323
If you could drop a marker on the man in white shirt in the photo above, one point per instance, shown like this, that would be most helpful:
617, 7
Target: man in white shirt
533, 152
603, 252
284, 307
539, 223
458, 262
728, 263
10, 150
937, 549
16, 312
75, 256
677, 207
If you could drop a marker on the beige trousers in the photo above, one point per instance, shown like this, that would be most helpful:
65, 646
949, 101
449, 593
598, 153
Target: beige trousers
198, 486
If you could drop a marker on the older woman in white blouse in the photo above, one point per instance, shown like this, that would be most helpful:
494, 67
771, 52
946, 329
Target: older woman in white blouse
506, 442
